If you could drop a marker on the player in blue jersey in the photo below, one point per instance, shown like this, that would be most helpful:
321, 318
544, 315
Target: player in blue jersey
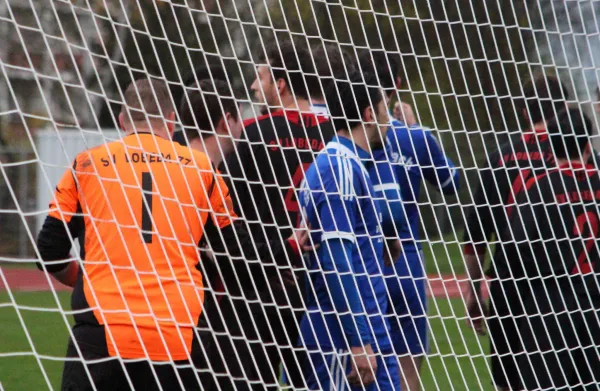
414, 154
344, 328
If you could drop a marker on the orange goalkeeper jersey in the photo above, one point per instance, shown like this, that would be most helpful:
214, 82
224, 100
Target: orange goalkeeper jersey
144, 202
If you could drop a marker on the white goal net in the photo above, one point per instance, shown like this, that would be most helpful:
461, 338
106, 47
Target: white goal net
160, 210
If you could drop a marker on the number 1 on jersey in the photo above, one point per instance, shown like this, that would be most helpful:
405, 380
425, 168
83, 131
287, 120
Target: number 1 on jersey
147, 207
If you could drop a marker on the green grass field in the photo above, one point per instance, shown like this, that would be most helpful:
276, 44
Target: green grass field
444, 257
456, 360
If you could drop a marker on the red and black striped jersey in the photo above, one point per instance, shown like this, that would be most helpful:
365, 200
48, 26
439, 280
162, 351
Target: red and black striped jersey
500, 182
268, 166
556, 226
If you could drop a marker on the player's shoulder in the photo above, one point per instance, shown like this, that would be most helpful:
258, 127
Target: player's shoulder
326, 160
266, 126
97, 150
339, 156
399, 130
499, 156
511, 146
332, 164
189, 156
253, 122
84, 160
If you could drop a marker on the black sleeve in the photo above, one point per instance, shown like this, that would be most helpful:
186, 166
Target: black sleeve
236, 242
530, 227
54, 243
242, 269
240, 169
479, 226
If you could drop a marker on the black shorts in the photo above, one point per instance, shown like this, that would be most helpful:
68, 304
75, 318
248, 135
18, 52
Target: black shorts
505, 311
561, 337
256, 343
110, 373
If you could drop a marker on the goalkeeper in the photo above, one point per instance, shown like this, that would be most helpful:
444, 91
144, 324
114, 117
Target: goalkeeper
139, 207
556, 240
414, 154
344, 328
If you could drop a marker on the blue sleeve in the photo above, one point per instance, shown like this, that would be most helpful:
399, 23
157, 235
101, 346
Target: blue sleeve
337, 266
437, 168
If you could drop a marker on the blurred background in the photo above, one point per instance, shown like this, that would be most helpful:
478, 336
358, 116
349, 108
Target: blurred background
64, 65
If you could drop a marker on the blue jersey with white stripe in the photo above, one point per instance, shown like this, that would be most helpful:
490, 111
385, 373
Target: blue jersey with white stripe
415, 154
337, 201
387, 191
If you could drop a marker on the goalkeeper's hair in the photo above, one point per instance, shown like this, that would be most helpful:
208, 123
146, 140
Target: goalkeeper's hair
569, 133
355, 96
386, 66
545, 97
206, 104
332, 63
147, 100
291, 61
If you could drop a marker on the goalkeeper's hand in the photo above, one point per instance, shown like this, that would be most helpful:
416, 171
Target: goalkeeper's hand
477, 309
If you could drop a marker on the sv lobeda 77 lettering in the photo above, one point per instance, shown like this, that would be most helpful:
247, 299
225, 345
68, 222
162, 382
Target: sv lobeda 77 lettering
143, 157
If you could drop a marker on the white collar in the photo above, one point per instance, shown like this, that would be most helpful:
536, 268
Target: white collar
319, 110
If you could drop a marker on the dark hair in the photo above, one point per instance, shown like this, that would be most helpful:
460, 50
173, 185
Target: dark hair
545, 96
291, 61
350, 99
569, 133
146, 99
384, 65
332, 62
204, 107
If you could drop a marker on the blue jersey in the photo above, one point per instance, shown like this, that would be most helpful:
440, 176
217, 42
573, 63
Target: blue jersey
337, 201
387, 191
415, 154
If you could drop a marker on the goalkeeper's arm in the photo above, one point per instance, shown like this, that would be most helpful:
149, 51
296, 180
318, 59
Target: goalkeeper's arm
61, 224
54, 246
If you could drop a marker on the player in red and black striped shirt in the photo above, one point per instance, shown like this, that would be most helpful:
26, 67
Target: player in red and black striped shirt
556, 230
501, 181
265, 173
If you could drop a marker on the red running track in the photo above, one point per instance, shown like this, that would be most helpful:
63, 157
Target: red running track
33, 280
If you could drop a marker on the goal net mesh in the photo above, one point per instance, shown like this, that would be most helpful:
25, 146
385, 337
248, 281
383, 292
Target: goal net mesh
65, 66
